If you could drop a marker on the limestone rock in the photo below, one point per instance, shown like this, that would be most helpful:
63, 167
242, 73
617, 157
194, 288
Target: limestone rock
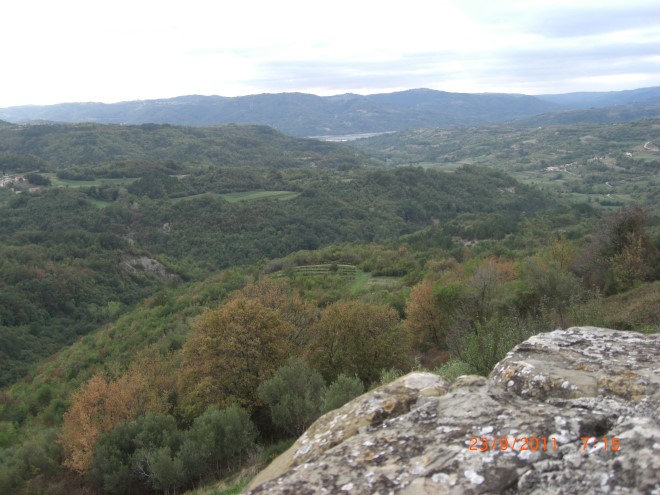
416, 438
142, 265
583, 362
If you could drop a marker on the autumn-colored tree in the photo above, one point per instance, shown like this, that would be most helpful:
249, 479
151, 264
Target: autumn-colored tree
230, 351
425, 321
357, 338
280, 296
98, 405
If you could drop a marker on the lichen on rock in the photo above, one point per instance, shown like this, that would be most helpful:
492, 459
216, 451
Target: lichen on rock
414, 435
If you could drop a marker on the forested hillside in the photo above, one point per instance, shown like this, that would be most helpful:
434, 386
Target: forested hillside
604, 165
77, 243
310, 115
300, 114
62, 146
178, 303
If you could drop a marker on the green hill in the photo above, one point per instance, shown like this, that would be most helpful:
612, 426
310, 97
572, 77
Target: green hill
154, 278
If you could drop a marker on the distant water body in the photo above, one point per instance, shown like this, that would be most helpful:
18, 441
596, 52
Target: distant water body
349, 137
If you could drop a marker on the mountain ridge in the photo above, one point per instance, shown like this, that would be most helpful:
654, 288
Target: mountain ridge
299, 114
304, 114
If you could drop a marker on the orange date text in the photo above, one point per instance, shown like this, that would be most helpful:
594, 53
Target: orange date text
484, 444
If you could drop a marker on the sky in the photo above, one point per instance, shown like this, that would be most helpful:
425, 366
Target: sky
54, 51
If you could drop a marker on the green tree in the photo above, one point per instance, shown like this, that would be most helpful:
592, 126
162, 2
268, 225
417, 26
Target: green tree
38, 179
358, 338
344, 389
482, 348
217, 439
553, 287
294, 396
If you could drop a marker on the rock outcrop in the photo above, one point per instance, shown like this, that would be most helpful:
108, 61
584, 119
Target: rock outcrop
521, 430
142, 265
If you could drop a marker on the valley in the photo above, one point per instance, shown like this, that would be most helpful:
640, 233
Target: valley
162, 278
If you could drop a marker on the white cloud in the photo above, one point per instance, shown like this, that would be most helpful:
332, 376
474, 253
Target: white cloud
75, 50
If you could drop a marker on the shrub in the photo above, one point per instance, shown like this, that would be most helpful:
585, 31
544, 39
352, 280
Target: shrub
454, 368
294, 396
484, 346
342, 390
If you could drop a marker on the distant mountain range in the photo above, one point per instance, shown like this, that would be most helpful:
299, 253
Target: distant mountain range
302, 114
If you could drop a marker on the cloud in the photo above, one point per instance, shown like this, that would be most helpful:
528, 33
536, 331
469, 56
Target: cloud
70, 51
607, 19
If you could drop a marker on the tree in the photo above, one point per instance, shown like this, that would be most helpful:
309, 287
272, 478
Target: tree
553, 287
152, 451
139, 451
484, 347
217, 439
342, 390
358, 338
294, 396
38, 179
621, 253
98, 405
280, 296
230, 352
627, 247
425, 319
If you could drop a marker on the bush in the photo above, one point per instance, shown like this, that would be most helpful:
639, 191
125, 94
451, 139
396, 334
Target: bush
294, 396
484, 346
454, 368
151, 450
342, 390
388, 375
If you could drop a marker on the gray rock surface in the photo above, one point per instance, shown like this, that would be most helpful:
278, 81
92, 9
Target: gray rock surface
142, 265
582, 362
414, 435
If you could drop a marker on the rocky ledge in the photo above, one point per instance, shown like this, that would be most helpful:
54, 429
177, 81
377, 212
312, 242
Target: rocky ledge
567, 412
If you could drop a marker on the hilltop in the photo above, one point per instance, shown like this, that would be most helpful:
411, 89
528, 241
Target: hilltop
298, 113
302, 114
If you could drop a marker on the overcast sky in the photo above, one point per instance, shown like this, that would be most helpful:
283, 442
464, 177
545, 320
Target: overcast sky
54, 51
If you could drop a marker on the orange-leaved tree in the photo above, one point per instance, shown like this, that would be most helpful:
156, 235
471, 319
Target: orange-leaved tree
426, 321
99, 404
281, 296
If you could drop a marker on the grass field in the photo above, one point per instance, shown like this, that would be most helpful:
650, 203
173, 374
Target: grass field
57, 182
246, 196
99, 203
365, 282
242, 196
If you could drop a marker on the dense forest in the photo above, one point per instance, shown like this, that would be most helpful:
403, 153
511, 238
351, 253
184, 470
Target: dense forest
177, 304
